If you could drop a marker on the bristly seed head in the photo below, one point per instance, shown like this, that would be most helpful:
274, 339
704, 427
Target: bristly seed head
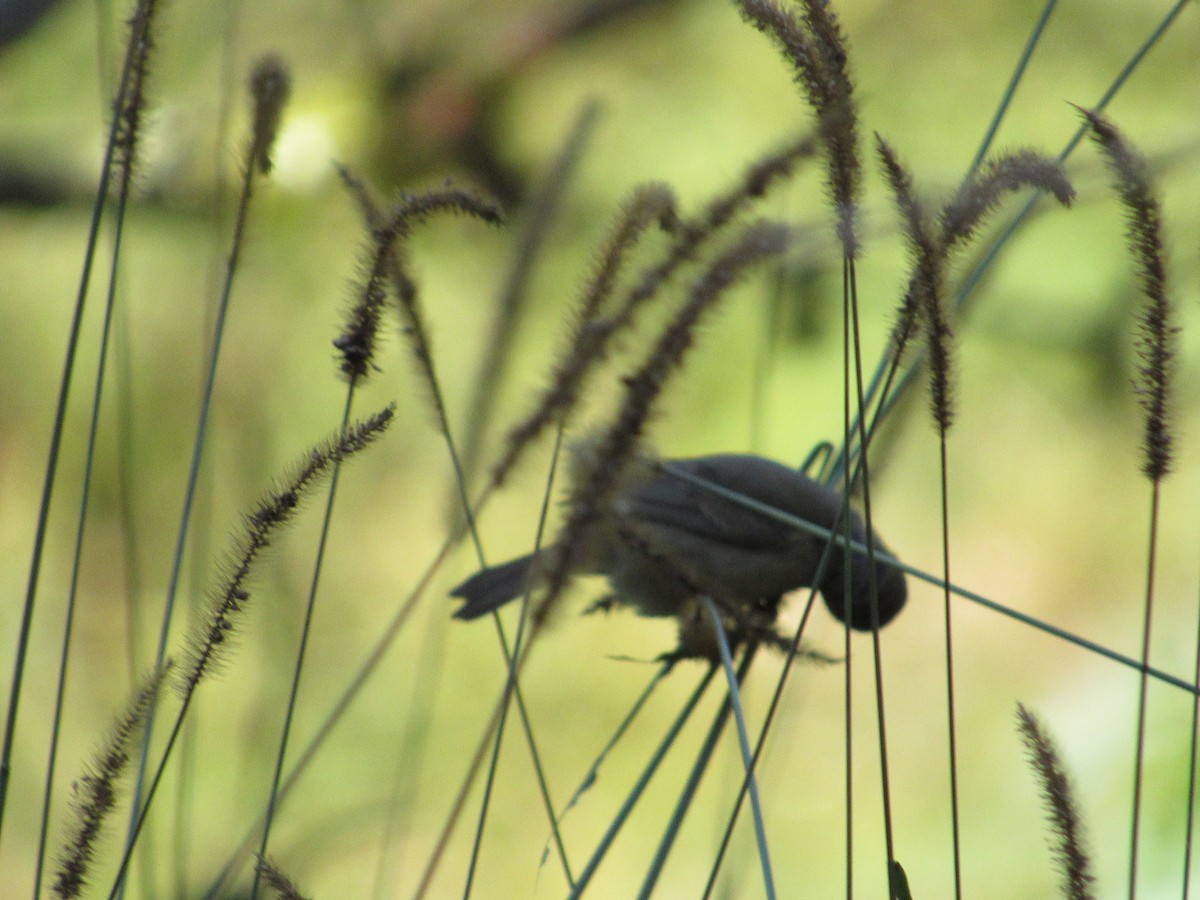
386, 261
1156, 333
982, 191
275, 510
816, 49
1065, 821
650, 203
757, 242
270, 88
924, 301
96, 791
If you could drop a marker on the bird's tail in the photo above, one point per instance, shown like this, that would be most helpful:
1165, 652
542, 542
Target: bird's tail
489, 589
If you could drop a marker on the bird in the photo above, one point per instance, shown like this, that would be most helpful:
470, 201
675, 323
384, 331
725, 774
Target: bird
664, 540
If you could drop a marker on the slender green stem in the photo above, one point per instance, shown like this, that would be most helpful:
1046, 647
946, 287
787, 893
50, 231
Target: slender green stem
850, 280
512, 689
56, 436
305, 632
1194, 757
656, 758
1014, 82
1143, 685
951, 718
687, 795
137, 811
739, 717
77, 552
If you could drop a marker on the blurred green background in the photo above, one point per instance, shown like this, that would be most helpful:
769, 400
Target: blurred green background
1048, 512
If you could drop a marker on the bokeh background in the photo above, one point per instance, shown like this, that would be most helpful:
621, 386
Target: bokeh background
1048, 511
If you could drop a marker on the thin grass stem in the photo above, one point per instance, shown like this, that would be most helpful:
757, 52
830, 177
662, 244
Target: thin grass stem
1014, 82
342, 705
593, 771
656, 758
518, 654
512, 687
135, 57
951, 713
772, 708
514, 660
688, 794
512, 690
851, 283
1139, 764
474, 767
305, 632
832, 536
496, 738
739, 718
80, 527
847, 646
356, 345
848, 420
406, 799
193, 476
1194, 758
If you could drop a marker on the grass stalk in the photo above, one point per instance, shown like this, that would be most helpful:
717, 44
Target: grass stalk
652, 764
739, 717
118, 147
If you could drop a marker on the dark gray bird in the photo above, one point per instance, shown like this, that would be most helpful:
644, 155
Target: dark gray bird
662, 541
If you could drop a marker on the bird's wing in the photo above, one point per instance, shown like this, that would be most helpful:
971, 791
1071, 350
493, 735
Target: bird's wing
669, 501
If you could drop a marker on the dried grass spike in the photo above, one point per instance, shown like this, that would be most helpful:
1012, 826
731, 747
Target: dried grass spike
131, 101
618, 444
414, 209
411, 209
941, 365
814, 46
759, 241
773, 20
650, 203
1068, 850
96, 791
596, 333
386, 260
694, 233
358, 340
277, 880
839, 123
270, 88
364, 193
1156, 336
911, 211
452, 198
209, 641
924, 299
983, 191
653, 202
538, 216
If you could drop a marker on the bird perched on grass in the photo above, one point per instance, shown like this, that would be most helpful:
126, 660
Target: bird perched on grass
664, 538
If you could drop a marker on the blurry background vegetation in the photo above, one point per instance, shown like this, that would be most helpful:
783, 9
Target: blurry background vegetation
1048, 510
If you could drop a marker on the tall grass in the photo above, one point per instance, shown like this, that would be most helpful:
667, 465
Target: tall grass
701, 249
